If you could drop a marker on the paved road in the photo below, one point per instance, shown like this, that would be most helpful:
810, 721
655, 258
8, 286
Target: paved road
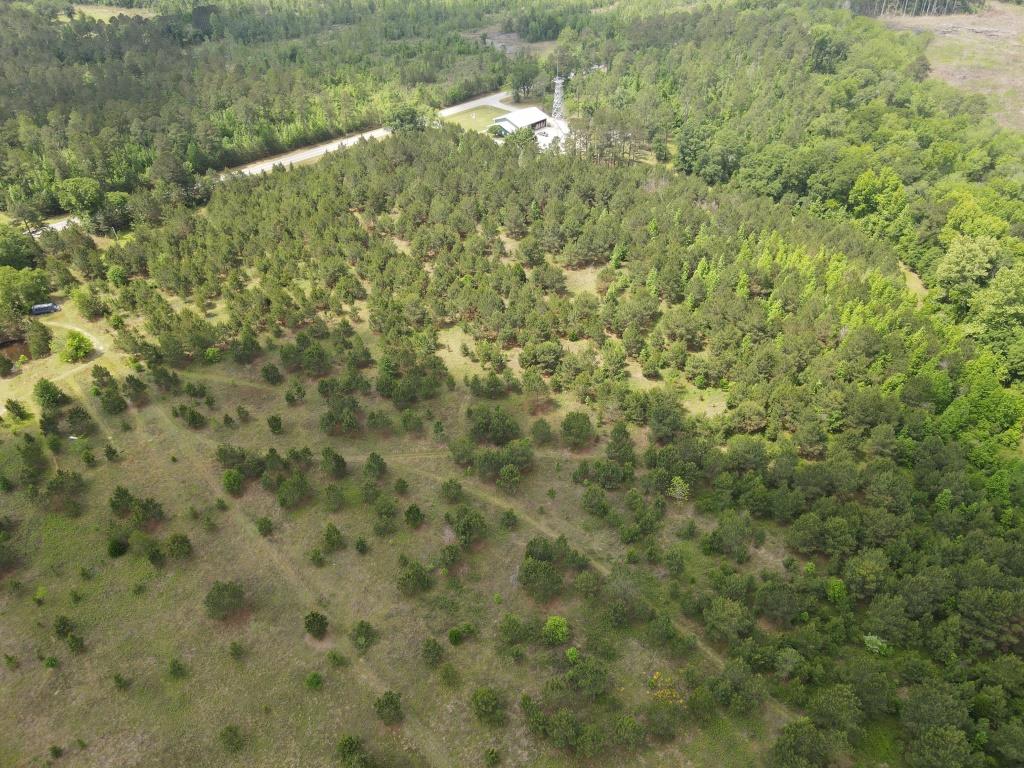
303, 155
315, 152
490, 100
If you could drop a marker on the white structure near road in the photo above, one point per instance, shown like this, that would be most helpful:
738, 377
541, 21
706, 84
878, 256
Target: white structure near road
529, 117
546, 129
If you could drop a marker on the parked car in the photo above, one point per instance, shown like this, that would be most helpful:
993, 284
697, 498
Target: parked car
44, 309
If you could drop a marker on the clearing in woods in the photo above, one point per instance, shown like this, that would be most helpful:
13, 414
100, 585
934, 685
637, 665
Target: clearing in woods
476, 119
127, 609
108, 12
980, 52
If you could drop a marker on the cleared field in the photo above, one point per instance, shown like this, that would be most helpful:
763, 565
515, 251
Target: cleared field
137, 618
982, 53
511, 43
476, 119
108, 12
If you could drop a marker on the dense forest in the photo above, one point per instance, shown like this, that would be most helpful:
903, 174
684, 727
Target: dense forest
677, 402
93, 110
832, 112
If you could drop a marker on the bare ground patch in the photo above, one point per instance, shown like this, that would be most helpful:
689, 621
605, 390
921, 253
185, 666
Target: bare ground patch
511, 43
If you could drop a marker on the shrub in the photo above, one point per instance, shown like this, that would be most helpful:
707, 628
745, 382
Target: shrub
375, 466
509, 479
555, 631
177, 669
230, 737
233, 482
225, 599
272, 374
77, 347
541, 432
468, 524
38, 338
333, 539
389, 708
293, 491
461, 633
264, 526
451, 490
540, 579
275, 425
413, 579
337, 659
352, 754
363, 636
628, 733
449, 676
432, 652
17, 411
316, 624
117, 547
334, 463
295, 393
577, 430
62, 627
413, 516
314, 681
488, 705
48, 394
179, 547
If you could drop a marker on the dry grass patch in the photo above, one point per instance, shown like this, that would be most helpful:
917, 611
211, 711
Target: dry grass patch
980, 52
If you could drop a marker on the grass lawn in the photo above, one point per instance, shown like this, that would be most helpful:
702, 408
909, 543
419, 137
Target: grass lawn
476, 119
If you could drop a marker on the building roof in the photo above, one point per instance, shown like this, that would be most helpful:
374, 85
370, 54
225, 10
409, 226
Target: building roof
522, 118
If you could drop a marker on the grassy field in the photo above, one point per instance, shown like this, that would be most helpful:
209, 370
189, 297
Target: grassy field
477, 119
981, 52
136, 618
511, 43
107, 12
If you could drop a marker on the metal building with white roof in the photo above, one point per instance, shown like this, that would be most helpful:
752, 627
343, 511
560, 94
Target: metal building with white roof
528, 117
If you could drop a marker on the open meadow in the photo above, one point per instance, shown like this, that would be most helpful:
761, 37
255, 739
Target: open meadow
979, 52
